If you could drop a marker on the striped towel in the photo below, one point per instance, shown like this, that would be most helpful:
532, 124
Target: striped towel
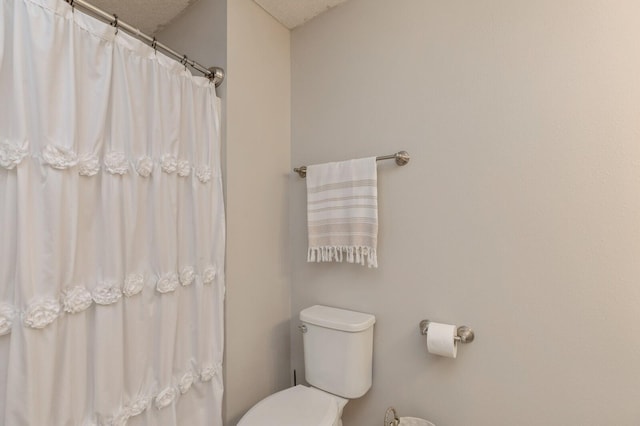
342, 212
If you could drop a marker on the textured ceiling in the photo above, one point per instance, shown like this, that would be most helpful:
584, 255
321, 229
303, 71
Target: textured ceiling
292, 13
147, 15
151, 15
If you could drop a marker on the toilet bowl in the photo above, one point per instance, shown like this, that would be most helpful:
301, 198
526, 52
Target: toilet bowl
338, 353
296, 406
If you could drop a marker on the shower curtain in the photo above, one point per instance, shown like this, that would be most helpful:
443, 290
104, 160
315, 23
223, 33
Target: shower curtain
111, 228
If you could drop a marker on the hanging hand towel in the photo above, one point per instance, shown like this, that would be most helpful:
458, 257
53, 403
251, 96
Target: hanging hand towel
342, 212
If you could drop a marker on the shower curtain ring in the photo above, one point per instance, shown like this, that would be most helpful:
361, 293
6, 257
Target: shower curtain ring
184, 61
154, 44
115, 23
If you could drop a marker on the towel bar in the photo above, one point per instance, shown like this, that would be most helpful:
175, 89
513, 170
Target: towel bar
401, 157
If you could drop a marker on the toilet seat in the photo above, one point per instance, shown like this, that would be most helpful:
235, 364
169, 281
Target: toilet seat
296, 406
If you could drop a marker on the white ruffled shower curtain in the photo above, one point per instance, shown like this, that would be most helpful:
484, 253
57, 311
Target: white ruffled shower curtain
111, 228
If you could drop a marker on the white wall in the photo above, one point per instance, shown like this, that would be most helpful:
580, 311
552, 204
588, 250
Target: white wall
519, 213
255, 51
258, 158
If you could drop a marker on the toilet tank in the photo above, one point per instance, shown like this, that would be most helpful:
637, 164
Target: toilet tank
338, 350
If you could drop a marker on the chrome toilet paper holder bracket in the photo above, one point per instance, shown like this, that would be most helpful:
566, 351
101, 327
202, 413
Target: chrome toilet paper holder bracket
464, 334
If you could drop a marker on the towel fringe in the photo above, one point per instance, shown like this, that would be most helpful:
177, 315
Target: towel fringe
352, 254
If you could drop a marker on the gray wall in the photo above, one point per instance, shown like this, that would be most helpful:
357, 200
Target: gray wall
200, 32
519, 213
255, 51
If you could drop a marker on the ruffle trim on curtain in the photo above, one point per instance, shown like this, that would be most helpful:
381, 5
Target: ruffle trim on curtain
12, 153
165, 396
73, 300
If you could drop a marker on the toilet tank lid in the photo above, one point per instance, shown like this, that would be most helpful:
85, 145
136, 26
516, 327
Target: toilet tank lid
337, 319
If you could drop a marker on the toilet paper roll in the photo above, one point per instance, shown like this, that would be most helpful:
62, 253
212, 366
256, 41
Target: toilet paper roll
440, 339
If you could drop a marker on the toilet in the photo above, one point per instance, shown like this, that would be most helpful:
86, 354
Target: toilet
338, 353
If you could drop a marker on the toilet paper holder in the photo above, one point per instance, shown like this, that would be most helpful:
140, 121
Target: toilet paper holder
464, 334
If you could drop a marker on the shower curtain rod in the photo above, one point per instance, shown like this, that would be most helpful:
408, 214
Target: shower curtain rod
401, 157
215, 74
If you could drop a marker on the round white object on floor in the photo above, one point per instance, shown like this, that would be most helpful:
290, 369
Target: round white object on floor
414, 421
